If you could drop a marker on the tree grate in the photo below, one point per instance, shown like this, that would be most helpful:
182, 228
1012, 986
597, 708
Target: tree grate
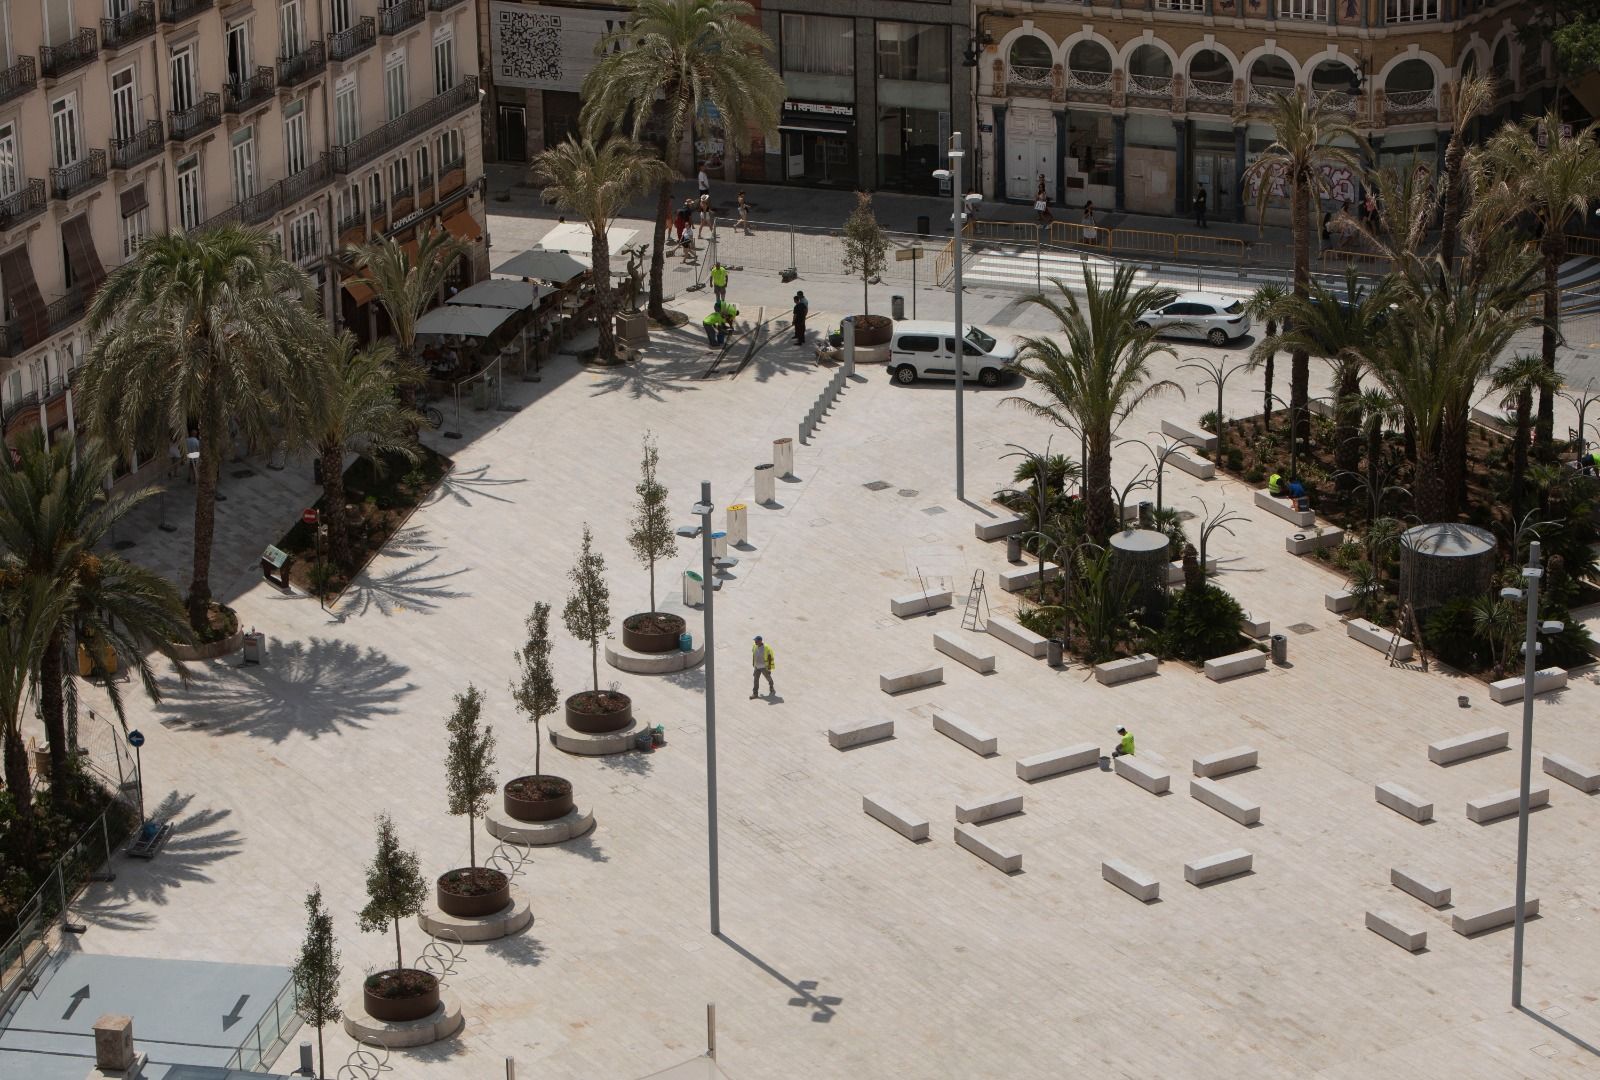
877, 485
1302, 628
907, 493
931, 510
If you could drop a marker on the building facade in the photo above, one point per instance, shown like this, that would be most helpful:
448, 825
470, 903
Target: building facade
324, 123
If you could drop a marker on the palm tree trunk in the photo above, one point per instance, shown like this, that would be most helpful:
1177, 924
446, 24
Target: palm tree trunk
333, 499
1299, 360
52, 709
1450, 227
1347, 435
16, 769
604, 302
1451, 463
1374, 449
1098, 513
1266, 381
1456, 468
205, 520
1519, 448
1555, 245
1429, 485
658, 255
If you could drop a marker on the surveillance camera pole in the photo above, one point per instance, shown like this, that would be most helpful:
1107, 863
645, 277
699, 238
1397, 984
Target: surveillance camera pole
1530, 666
959, 220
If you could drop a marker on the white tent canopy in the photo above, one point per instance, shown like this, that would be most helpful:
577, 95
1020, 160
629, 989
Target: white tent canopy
576, 240
500, 293
552, 266
463, 320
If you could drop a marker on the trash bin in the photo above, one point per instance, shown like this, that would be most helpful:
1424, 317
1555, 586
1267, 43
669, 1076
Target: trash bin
766, 484
897, 306
694, 589
1147, 512
738, 523
1014, 548
1052, 652
923, 228
686, 643
1280, 649
255, 647
719, 545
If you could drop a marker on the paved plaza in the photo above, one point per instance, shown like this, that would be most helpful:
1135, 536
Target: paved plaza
847, 950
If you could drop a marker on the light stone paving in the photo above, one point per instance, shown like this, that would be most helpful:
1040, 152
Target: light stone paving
849, 952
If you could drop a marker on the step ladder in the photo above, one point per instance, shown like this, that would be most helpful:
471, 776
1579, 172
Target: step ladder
975, 598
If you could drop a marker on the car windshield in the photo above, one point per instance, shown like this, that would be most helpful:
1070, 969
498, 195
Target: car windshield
1235, 307
980, 339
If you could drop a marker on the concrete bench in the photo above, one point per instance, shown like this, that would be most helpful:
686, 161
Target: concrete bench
983, 808
1055, 762
1017, 636
1155, 780
1204, 470
1493, 421
1243, 662
1487, 808
965, 650
1224, 762
1376, 637
921, 603
910, 679
1226, 802
909, 825
844, 736
1471, 745
1250, 626
1190, 437
1402, 801
996, 855
1026, 577
1402, 931
1544, 681
1306, 543
1281, 506
1137, 883
965, 732
1429, 892
999, 528
1571, 772
1225, 864
1469, 921
1340, 601
1129, 667
1175, 571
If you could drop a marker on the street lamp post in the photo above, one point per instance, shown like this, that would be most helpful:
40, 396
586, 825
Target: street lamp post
957, 221
703, 508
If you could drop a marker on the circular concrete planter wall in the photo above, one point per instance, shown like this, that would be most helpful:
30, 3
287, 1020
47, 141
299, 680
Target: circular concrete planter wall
414, 1007
546, 809
599, 723
211, 649
475, 905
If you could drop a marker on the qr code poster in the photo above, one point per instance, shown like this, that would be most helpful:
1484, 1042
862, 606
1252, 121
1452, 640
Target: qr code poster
546, 48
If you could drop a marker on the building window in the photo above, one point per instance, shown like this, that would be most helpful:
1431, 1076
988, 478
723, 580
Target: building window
349, 206
10, 163
400, 177
449, 149
294, 136
394, 84
914, 52
183, 91
424, 165
1302, 9
444, 62
191, 207
305, 238
291, 30
346, 113
818, 45
238, 37
375, 193
1404, 11
244, 164
65, 141
1181, 5
135, 227
124, 105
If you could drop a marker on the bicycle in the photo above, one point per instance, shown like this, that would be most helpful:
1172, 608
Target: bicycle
430, 415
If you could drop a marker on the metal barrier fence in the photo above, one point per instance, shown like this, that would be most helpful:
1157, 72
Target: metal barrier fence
269, 1036
814, 252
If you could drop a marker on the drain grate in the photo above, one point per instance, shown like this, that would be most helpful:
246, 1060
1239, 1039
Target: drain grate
1302, 628
907, 493
931, 510
877, 485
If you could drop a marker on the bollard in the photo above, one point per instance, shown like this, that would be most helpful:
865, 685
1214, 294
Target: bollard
849, 348
766, 484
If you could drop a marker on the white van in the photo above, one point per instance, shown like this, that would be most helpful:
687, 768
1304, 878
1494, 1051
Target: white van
921, 349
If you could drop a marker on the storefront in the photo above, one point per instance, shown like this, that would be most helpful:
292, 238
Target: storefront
819, 143
913, 106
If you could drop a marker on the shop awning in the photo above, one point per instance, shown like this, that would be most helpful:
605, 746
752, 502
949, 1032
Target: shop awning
815, 127
463, 320
360, 291
556, 267
501, 293
464, 226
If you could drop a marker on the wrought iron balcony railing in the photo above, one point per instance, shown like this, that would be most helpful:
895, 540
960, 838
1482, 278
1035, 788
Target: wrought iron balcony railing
306, 64
185, 124
241, 95
27, 202
129, 27
358, 39
18, 79
58, 60
269, 201
142, 145
401, 16
175, 11
396, 132
78, 177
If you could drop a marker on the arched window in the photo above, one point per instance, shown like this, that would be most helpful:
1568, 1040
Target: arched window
1089, 65
1272, 72
1500, 65
1409, 76
1029, 51
1151, 61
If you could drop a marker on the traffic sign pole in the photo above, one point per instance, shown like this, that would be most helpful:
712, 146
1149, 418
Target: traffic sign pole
136, 740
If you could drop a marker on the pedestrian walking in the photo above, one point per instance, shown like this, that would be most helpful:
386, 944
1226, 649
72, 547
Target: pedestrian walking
1041, 203
719, 281
1200, 200
704, 183
744, 216
715, 327
802, 307
705, 215
1124, 745
680, 221
974, 201
1091, 232
762, 662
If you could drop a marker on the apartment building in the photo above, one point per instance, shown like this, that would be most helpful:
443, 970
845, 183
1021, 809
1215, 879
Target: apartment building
325, 122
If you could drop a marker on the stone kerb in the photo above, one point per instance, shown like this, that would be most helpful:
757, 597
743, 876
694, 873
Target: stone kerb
965, 650
1156, 781
1475, 920
1279, 506
1244, 662
997, 855
1545, 680
1471, 745
1502, 804
438, 1025
515, 917
1403, 801
906, 822
1113, 672
1225, 801
1376, 637
1224, 864
1433, 893
959, 729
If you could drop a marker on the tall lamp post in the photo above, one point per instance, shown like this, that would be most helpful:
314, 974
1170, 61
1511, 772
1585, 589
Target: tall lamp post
958, 220
703, 510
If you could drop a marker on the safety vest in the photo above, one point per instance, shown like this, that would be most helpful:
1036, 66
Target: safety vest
1127, 743
729, 312
761, 657
1594, 458
713, 319
719, 276
1275, 484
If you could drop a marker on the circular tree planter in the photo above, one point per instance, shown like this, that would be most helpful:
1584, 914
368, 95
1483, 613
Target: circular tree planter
595, 712
400, 994
652, 631
538, 797
872, 330
469, 893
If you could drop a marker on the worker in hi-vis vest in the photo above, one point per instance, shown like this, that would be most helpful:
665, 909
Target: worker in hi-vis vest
762, 661
1125, 745
716, 327
719, 281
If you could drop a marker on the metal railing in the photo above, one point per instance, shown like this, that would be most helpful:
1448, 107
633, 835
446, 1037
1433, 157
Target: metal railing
141, 146
1150, 86
130, 26
402, 16
1026, 75
18, 79
1410, 102
66, 311
360, 37
27, 202
1147, 242
81, 175
269, 201
202, 115
242, 94
269, 1036
57, 60
303, 65
174, 11
442, 5
404, 128
11, 343
357, 220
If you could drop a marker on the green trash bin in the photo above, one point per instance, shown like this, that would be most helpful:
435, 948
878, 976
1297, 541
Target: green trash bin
694, 589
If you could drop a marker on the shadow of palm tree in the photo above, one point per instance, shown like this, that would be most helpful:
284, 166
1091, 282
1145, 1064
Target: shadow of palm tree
460, 484
522, 949
197, 840
586, 847
780, 357
633, 763
671, 365
408, 588
411, 540
314, 688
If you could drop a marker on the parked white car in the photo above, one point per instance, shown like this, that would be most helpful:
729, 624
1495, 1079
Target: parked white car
1213, 318
921, 349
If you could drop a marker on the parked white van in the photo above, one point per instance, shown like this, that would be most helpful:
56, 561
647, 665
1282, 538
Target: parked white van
921, 349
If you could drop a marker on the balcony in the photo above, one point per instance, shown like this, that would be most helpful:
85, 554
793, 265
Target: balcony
1337, 101
354, 41
1212, 97
1089, 85
401, 202
1024, 80
303, 66
58, 60
126, 29
443, 5
242, 95
353, 229
264, 204
28, 202
402, 16
452, 176
458, 98
1260, 97
1149, 88
64, 312
140, 146
176, 11
78, 177
185, 124
1410, 106
18, 79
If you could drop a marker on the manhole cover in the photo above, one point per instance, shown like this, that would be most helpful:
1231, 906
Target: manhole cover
930, 510
1302, 628
877, 485
907, 493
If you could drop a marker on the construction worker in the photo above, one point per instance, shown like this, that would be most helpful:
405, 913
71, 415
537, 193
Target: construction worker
716, 328
1125, 745
729, 311
1592, 460
1275, 484
762, 661
719, 281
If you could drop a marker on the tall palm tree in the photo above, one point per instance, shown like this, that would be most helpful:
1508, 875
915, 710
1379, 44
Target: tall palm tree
203, 331
407, 285
1378, 410
1262, 307
1302, 145
1474, 94
686, 55
1517, 379
1098, 375
596, 182
29, 607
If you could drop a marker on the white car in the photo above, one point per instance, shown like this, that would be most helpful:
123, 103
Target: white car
927, 350
1217, 319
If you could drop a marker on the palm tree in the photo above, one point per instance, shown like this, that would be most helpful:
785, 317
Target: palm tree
1302, 145
1262, 307
1378, 410
689, 54
29, 607
597, 182
1474, 94
1518, 378
203, 331
1099, 375
406, 284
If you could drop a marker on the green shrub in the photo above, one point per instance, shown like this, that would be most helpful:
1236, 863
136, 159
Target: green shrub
1256, 475
1452, 636
1212, 422
1200, 624
321, 577
1235, 458
1040, 621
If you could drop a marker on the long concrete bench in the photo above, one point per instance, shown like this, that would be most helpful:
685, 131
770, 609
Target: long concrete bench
1018, 636
1250, 626
1155, 780
1341, 600
1487, 808
1228, 761
999, 528
1137, 883
1469, 921
1226, 802
1306, 543
1398, 929
1544, 681
1376, 637
844, 736
908, 824
1129, 667
1175, 571
921, 603
1028, 576
965, 650
1204, 470
1224, 864
995, 854
910, 679
1462, 747
1055, 762
975, 811
965, 732
1431, 893
1403, 801
1190, 436
1243, 662
1280, 505
1568, 771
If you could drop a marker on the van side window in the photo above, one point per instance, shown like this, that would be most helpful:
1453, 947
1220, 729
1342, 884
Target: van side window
914, 343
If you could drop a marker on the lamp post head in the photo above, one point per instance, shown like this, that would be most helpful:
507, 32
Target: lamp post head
942, 174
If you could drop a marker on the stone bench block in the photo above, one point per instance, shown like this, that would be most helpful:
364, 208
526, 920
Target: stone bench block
1129, 667
1376, 637
1243, 662
1225, 864
1137, 883
1224, 762
908, 824
1281, 506
1568, 771
983, 808
1340, 601
1402, 801
1196, 467
1190, 436
1501, 804
1017, 636
1027, 576
921, 603
965, 732
1225, 801
1306, 543
1471, 745
996, 855
999, 528
1544, 681
1155, 780
1175, 571
1469, 921
910, 679
1402, 931
1251, 626
1431, 893
844, 736
1055, 762
965, 650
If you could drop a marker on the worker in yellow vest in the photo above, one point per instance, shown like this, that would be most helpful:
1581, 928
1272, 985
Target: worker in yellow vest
1275, 484
716, 328
1125, 745
762, 662
719, 281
